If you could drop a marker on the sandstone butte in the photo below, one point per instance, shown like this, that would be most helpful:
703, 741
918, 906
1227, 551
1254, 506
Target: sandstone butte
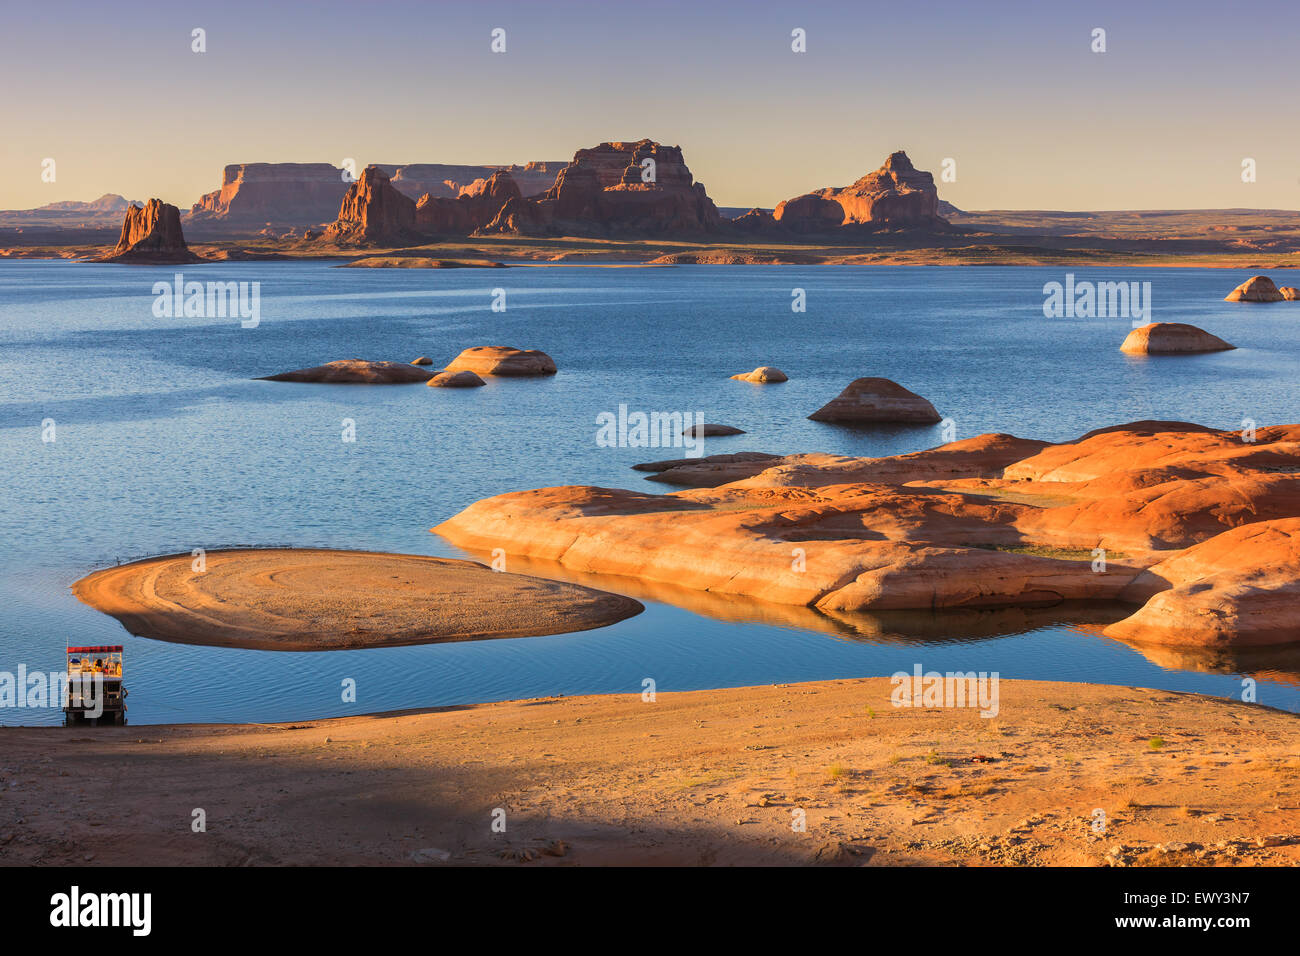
876, 400
1168, 338
1257, 289
355, 372
373, 213
897, 195
605, 192
151, 234
763, 375
1198, 527
502, 360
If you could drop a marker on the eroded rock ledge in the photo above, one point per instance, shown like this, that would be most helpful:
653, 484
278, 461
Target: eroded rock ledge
991, 521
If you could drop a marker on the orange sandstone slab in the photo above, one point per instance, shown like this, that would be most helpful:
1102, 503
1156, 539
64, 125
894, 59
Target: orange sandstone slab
290, 599
1256, 289
503, 360
356, 372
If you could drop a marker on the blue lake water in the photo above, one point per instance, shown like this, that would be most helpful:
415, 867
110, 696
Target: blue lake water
166, 443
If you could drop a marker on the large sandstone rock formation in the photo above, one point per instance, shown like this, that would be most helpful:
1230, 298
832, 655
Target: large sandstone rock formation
1256, 289
151, 233
605, 191
473, 209
374, 213
993, 521
1170, 338
897, 195
876, 400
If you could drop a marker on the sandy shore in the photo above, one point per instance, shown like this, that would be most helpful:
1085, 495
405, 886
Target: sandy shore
315, 599
708, 777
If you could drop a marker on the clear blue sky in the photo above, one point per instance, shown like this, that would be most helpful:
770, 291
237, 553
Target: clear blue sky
1010, 90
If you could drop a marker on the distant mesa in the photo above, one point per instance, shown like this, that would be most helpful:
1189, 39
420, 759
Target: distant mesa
876, 401
503, 360
1171, 338
897, 195
307, 194
461, 379
763, 375
712, 431
1257, 289
151, 234
615, 189
355, 372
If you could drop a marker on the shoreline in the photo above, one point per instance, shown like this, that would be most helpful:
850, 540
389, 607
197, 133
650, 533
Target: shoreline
694, 777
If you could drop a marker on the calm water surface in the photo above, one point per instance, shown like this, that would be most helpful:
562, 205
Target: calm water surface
166, 443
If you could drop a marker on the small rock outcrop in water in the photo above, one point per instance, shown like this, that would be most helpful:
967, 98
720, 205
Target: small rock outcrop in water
151, 233
355, 372
1257, 289
461, 379
1289, 292
712, 431
1171, 338
422, 360
503, 360
762, 375
897, 195
373, 213
876, 400
709, 471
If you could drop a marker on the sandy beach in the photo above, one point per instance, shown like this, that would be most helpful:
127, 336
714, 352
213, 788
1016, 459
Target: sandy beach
706, 777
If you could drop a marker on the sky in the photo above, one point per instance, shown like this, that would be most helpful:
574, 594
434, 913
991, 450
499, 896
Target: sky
1010, 91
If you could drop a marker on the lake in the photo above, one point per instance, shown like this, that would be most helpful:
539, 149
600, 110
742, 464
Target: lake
164, 442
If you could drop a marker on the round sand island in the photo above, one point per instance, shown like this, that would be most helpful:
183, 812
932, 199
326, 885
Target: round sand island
290, 599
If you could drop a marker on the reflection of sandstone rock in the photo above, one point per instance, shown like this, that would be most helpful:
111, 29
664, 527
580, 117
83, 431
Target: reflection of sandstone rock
610, 190
355, 372
151, 233
868, 400
471, 210
712, 431
1239, 588
1258, 289
762, 375
373, 213
503, 360
988, 522
1164, 338
462, 379
1289, 292
895, 195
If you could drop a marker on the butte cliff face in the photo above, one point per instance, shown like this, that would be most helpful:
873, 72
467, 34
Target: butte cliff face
151, 233
373, 212
895, 196
476, 206
616, 189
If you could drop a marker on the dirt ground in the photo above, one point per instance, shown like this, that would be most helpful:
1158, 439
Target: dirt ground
1065, 774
